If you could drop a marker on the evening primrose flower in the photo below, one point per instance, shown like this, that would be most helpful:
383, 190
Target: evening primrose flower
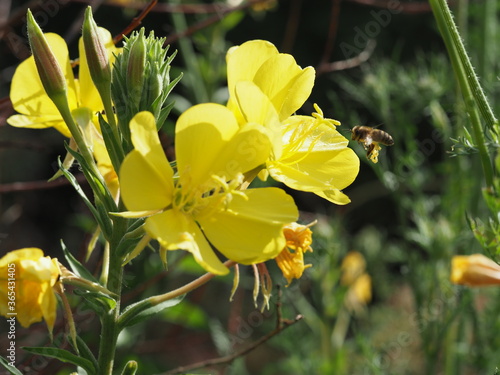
474, 270
36, 109
201, 206
32, 277
308, 153
291, 259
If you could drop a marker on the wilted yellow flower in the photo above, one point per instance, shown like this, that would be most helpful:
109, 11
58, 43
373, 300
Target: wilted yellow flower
31, 276
291, 259
474, 270
201, 205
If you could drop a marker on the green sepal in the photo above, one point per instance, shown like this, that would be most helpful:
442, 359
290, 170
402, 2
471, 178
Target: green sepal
76, 266
8, 367
143, 310
104, 222
63, 356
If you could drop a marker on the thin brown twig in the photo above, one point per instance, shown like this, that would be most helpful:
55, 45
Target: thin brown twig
406, 8
349, 63
292, 26
136, 21
332, 32
38, 185
283, 324
210, 20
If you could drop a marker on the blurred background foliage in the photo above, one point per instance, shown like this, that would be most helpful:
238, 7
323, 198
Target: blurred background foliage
379, 63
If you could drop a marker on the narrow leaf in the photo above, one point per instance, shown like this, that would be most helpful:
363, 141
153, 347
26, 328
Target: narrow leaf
64, 356
142, 310
11, 369
76, 266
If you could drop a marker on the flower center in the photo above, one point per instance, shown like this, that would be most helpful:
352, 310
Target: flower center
207, 199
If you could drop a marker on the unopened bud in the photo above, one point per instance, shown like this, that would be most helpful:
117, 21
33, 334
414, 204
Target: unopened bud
96, 53
136, 68
49, 70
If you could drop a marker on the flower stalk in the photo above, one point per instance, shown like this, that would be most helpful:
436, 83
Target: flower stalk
474, 97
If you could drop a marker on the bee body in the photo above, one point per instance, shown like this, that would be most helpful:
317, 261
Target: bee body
368, 135
370, 138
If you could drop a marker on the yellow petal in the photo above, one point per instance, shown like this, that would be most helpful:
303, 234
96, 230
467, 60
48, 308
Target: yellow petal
251, 230
145, 174
27, 93
243, 61
334, 196
201, 133
145, 186
174, 230
285, 83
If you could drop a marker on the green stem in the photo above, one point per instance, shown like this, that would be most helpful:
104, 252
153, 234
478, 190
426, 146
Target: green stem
155, 300
110, 328
472, 92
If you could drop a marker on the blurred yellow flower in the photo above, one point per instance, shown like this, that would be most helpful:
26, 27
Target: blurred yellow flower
474, 270
291, 259
31, 276
200, 206
308, 153
353, 266
359, 291
30, 99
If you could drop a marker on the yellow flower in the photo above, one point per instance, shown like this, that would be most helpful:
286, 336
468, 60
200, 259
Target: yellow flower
308, 152
31, 276
474, 270
357, 280
353, 266
200, 206
291, 259
30, 100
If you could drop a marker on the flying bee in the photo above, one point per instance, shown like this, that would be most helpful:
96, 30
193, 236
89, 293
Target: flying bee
370, 138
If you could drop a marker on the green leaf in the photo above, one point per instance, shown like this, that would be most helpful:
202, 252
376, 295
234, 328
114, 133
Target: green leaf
85, 352
8, 367
76, 266
104, 223
63, 356
99, 302
143, 310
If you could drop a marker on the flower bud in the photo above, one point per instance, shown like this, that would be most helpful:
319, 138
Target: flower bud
49, 70
136, 69
474, 270
96, 53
